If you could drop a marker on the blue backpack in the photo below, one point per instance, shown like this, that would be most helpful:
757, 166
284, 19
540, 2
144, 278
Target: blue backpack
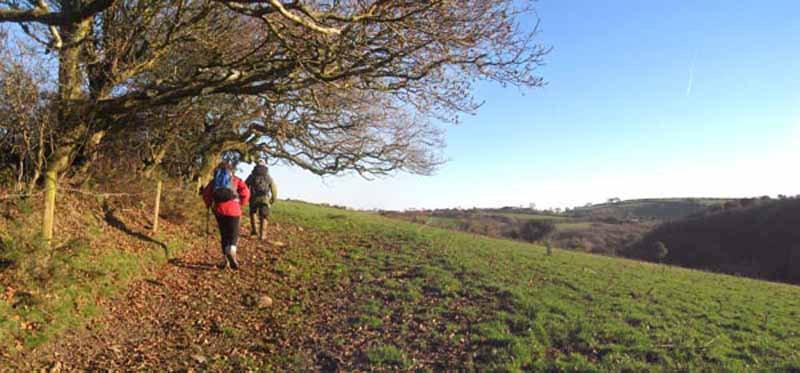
224, 189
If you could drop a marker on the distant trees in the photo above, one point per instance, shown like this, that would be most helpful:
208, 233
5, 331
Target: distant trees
536, 230
26, 115
660, 251
758, 240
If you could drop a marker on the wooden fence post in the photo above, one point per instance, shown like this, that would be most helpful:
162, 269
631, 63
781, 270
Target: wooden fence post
158, 207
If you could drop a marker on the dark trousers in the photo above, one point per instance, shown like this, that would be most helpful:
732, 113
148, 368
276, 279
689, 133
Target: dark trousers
258, 211
228, 230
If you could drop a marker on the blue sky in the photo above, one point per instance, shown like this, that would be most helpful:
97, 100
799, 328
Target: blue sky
644, 99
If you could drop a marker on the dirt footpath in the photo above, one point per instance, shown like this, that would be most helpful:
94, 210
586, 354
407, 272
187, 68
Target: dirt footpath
188, 315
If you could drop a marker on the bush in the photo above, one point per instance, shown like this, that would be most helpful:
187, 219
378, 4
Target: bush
536, 230
660, 251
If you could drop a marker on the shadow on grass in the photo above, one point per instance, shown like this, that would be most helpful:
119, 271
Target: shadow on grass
113, 221
199, 266
5, 264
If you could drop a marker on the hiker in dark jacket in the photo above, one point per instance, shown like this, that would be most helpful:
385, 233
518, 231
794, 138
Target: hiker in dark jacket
264, 195
226, 193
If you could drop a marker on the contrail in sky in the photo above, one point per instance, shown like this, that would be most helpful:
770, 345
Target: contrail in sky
691, 75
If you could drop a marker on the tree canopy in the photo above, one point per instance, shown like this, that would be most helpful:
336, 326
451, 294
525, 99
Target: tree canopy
330, 86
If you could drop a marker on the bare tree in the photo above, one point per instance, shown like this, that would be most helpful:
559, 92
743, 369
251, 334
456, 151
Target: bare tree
25, 112
416, 59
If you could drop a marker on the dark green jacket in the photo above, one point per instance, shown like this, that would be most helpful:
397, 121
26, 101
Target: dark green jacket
255, 198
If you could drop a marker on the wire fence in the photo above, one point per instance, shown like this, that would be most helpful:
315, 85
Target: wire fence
19, 195
71, 190
97, 194
100, 194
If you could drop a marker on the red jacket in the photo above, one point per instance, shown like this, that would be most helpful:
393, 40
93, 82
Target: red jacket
232, 207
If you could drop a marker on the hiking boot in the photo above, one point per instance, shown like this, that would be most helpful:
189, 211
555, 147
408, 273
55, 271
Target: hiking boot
230, 256
262, 230
233, 262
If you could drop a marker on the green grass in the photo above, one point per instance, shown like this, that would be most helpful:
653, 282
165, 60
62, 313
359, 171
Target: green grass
52, 290
569, 311
659, 208
424, 295
525, 216
443, 222
387, 356
573, 226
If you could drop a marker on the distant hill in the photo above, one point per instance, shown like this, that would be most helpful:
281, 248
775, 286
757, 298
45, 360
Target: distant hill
648, 209
751, 237
601, 235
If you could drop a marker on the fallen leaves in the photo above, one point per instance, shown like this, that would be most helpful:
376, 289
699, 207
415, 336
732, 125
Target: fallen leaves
264, 301
9, 294
190, 316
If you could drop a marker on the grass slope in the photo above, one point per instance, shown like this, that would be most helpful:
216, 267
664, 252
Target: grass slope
506, 305
651, 208
358, 292
99, 253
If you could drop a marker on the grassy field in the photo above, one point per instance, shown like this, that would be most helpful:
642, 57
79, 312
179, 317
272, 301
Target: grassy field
525, 216
496, 304
442, 222
599, 234
653, 208
357, 291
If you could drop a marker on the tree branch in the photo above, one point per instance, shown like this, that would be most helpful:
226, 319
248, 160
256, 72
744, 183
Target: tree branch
303, 22
42, 14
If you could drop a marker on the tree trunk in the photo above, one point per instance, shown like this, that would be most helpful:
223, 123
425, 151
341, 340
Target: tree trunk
211, 157
156, 161
39, 160
70, 114
204, 173
90, 152
37, 174
37, 170
20, 174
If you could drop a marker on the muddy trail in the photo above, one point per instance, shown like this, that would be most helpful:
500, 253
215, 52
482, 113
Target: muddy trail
296, 303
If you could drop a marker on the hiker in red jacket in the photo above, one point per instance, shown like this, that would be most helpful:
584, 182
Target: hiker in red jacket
227, 194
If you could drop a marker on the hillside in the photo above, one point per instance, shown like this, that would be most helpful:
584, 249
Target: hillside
601, 229
600, 235
756, 237
648, 209
354, 291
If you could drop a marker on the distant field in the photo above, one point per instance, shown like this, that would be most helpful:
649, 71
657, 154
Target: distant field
573, 226
563, 224
597, 234
657, 209
493, 305
524, 216
441, 222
